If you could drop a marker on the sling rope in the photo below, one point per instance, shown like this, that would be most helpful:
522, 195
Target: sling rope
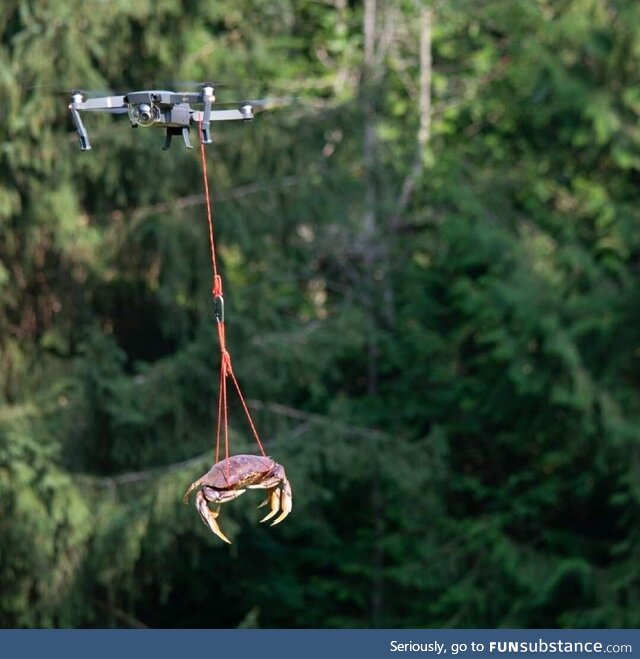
226, 370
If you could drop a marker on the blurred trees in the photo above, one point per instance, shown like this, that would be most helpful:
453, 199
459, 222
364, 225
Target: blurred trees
448, 374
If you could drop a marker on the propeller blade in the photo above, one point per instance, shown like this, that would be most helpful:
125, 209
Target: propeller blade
56, 89
271, 103
260, 104
194, 85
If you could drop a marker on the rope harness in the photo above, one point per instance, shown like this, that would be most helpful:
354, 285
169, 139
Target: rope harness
226, 369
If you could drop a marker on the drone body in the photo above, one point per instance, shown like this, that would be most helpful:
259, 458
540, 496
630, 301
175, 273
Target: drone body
170, 110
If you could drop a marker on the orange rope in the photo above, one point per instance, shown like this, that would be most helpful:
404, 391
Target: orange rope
246, 411
207, 197
222, 425
221, 384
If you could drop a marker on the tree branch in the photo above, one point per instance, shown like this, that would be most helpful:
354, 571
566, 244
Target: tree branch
198, 199
132, 477
284, 410
130, 620
424, 127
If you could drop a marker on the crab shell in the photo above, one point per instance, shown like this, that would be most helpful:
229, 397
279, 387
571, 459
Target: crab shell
239, 471
230, 478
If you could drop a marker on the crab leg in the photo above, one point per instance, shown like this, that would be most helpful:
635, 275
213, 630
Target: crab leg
209, 517
270, 487
286, 500
281, 502
273, 497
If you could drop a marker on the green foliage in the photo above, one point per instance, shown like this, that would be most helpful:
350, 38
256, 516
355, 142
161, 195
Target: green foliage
453, 393
45, 530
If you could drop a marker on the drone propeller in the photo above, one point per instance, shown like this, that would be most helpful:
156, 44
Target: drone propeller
195, 84
56, 89
261, 104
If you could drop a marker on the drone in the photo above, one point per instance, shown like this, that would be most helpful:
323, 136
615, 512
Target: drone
162, 109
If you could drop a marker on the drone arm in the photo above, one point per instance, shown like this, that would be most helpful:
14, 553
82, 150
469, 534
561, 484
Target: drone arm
245, 114
80, 129
112, 103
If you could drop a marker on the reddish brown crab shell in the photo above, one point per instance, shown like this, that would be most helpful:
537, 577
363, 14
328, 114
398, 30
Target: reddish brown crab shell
238, 471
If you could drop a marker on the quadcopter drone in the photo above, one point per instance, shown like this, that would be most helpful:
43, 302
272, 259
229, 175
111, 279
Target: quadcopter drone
162, 109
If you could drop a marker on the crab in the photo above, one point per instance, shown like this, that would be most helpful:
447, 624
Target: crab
230, 478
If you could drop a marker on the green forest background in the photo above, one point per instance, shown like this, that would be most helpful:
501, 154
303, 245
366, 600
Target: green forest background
431, 262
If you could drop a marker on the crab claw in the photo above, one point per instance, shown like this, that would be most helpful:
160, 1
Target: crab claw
209, 517
190, 489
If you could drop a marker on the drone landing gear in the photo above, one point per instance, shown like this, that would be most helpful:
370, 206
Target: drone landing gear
80, 129
205, 132
173, 130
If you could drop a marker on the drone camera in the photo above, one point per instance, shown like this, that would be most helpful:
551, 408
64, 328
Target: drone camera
144, 114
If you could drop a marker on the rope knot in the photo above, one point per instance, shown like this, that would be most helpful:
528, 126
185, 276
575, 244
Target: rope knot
217, 286
226, 363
